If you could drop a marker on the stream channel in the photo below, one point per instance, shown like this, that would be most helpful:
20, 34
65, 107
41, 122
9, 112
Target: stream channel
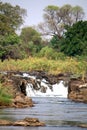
57, 111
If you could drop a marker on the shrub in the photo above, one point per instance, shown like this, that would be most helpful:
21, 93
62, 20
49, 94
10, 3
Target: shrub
50, 53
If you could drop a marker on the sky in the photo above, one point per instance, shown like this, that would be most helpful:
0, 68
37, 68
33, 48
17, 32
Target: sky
35, 8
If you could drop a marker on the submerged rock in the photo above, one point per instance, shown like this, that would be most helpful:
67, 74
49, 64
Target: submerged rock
29, 122
25, 122
82, 125
5, 123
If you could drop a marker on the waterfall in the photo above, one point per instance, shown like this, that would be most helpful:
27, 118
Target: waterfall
44, 88
56, 90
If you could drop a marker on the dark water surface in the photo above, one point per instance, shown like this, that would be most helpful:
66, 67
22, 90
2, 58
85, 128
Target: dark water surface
57, 113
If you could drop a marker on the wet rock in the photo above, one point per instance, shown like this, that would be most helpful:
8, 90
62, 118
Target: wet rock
43, 89
83, 125
25, 122
29, 122
5, 123
77, 90
23, 87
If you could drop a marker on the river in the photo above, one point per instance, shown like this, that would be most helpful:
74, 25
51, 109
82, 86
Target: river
52, 107
57, 113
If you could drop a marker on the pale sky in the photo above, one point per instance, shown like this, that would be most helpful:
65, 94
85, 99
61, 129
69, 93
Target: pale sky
35, 8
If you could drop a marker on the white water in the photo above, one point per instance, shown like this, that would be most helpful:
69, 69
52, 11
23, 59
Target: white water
58, 90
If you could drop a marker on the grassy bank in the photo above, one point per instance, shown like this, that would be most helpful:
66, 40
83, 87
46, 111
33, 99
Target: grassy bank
5, 96
51, 66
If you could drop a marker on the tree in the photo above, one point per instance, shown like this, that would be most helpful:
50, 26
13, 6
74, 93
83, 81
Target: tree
31, 40
55, 43
11, 18
30, 34
9, 40
75, 39
56, 18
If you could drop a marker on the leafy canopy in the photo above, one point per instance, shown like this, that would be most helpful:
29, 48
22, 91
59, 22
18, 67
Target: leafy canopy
11, 18
75, 39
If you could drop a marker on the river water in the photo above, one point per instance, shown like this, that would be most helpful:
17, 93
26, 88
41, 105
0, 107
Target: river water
52, 107
57, 113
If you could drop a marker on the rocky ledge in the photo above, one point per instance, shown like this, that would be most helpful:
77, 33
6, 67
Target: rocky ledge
21, 101
25, 122
77, 90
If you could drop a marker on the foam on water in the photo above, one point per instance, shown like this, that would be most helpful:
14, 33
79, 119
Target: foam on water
58, 90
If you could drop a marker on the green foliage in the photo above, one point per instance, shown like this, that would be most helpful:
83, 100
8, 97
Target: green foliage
9, 45
75, 39
11, 39
31, 40
50, 53
5, 98
55, 43
30, 34
11, 17
34, 48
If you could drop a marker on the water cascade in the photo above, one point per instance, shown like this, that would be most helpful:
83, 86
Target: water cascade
45, 89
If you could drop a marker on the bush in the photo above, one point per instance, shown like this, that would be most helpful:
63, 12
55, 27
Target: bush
50, 53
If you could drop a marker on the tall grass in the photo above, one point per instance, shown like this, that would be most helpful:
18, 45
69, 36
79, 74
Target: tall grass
69, 65
5, 98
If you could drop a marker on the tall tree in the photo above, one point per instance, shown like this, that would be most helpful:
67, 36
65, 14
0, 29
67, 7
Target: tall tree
31, 40
11, 18
56, 18
75, 39
29, 34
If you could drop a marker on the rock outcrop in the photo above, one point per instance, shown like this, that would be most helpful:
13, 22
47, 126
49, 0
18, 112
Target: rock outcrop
77, 90
21, 101
16, 87
25, 122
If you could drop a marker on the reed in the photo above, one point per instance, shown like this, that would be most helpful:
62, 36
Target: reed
69, 65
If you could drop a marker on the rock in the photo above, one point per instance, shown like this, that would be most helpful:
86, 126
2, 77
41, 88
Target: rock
25, 122
21, 101
83, 125
43, 89
29, 122
77, 90
23, 87
5, 123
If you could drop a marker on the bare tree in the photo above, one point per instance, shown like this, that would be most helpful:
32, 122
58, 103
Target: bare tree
56, 18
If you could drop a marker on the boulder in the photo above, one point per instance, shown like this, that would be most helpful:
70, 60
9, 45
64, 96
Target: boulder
77, 90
